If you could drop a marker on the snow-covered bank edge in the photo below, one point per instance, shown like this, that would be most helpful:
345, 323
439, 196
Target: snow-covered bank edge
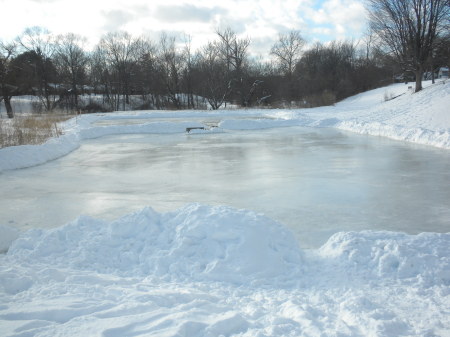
23, 156
440, 139
16, 157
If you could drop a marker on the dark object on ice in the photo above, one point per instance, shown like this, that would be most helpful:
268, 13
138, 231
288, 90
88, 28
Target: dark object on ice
188, 130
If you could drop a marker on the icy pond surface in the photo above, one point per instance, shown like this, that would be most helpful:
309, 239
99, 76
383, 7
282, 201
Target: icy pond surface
316, 181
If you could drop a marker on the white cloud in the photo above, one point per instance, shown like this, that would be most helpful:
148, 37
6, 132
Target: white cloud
186, 13
346, 17
262, 20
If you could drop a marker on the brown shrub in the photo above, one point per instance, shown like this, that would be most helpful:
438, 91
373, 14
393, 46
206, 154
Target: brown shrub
30, 130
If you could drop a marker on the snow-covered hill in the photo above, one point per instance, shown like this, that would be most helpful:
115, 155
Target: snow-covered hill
394, 111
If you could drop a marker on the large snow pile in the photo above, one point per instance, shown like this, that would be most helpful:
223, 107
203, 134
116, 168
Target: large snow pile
212, 271
195, 243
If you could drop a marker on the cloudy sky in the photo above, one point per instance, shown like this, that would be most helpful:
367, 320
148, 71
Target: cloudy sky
261, 20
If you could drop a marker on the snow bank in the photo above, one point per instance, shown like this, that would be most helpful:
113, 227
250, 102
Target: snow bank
421, 117
415, 135
212, 271
219, 243
424, 258
31, 155
194, 243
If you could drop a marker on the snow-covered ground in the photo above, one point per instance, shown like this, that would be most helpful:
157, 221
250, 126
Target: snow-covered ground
219, 271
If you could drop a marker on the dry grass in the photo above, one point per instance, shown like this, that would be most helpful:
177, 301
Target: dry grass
30, 130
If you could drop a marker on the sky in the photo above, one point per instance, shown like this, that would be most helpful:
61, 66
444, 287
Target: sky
261, 20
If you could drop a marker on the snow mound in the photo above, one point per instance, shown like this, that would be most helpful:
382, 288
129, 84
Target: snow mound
219, 271
223, 244
7, 236
379, 255
194, 243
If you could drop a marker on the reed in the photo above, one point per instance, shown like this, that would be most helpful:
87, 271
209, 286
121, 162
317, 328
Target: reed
30, 130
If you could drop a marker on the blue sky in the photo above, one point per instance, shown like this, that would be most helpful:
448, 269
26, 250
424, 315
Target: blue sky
261, 20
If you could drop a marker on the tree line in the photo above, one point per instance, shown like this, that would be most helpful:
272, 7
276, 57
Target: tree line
128, 72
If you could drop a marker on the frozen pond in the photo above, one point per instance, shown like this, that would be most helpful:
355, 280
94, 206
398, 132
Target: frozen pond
316, 181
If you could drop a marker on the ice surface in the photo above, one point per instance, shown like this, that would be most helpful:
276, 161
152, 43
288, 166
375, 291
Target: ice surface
317, 181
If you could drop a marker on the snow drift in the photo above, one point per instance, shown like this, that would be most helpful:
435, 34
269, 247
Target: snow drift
424, 258
195, 243
211, 271
223, 244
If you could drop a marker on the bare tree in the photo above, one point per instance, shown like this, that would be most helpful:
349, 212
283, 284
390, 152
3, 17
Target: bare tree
409, 29
99, 77
234, 52
148, 78
122, 53
287, 51
6, 87
440, 55
369, 44
71, 60
187, 71
41, 43
215, 83
171, 68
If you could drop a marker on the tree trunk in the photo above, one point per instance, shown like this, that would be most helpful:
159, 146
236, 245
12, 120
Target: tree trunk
75, 93
432, 74
419, 73
9, 110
